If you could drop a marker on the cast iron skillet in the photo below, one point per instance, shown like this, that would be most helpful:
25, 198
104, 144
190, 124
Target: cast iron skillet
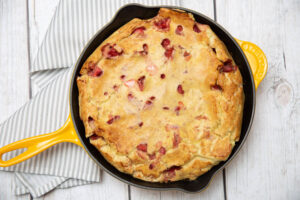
73, 130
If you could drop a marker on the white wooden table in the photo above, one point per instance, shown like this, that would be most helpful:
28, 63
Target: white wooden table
268, 166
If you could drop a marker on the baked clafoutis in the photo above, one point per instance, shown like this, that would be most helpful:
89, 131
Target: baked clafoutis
162, 99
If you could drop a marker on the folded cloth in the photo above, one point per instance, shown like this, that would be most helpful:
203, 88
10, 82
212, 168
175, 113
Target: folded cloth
63, 165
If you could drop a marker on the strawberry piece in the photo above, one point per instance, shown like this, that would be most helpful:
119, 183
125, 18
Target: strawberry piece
94, 137
216, 87
176, 140
186, 54
112, 119
109, 51
169, 52
94, 70
170, 172
196, 28
130, 83
152, 156
180, 89
179, 30
144, 52
227, 67
165, 43
162, 150
130, 96
142, 147
151, 166
163, 24
148, 104
140, 82
115, 87
177, 109
139, 30
152, 98
91, 123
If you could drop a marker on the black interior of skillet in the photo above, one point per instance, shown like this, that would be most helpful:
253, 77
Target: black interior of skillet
124, 15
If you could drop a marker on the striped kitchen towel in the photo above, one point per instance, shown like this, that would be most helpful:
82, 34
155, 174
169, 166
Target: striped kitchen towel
64, 165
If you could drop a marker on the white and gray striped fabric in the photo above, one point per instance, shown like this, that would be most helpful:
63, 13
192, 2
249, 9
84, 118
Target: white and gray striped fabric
64, 165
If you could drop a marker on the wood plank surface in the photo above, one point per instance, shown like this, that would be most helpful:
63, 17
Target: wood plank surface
14, 80
268, 165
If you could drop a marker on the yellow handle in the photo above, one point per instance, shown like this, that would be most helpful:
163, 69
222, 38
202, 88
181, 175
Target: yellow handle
37, 144
257, 60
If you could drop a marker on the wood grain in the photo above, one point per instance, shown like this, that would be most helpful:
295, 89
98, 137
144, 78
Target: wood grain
14, 84
268, 165
14, 81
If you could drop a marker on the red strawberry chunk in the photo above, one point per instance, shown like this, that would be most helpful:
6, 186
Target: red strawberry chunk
109, 51
170, 172
147, 105
176, 140
151, 166
122, 77
165, 43
140, 82
130, 96
139, 30
152, 98
179, 30
186, 54
196, 28
112, 119
94, 70
144, 52
180, 89
152, 156
177, 109
216, 87
163, 24
162, 150
142, 147
169, 52
227, 67
94, 137
172, 169
90, 119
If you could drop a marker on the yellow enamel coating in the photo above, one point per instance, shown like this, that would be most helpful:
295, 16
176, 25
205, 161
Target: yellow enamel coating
257, 60
37, 144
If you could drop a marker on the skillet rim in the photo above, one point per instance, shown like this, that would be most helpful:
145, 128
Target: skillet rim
223, 164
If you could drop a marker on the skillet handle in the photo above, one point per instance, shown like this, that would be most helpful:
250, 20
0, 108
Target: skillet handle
257, 60
37, 144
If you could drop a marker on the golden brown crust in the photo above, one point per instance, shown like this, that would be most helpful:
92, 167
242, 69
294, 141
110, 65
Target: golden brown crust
162, 112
